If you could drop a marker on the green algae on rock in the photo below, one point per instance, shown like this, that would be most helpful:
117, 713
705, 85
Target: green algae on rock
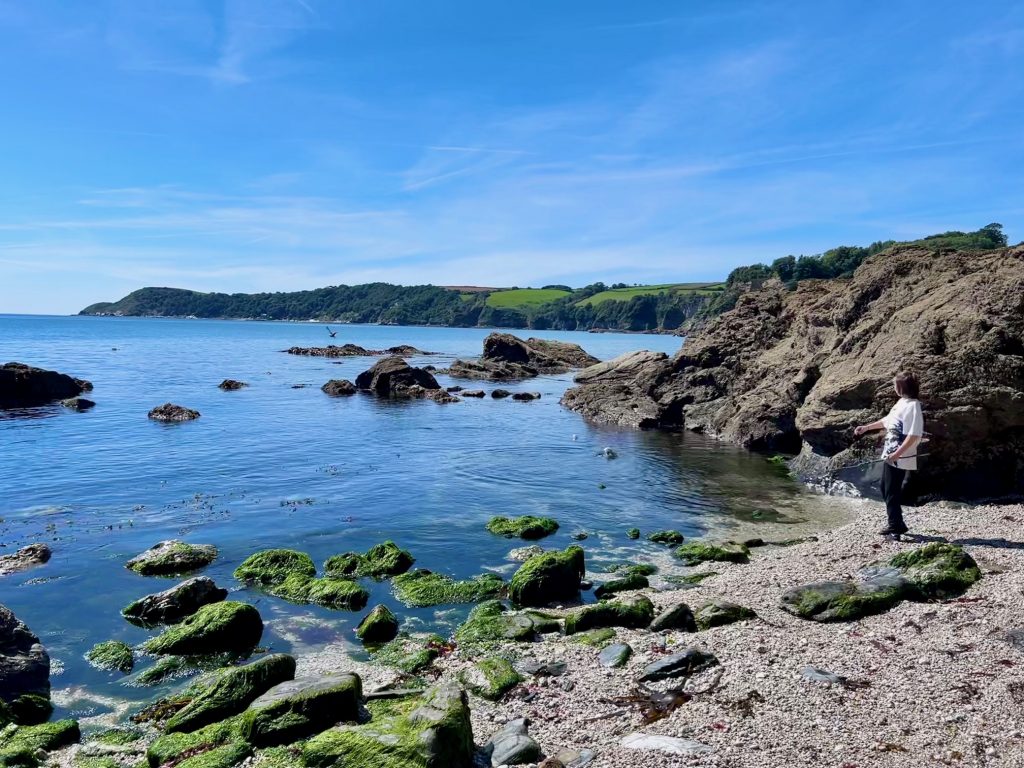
690, 579
937, 570
666, 537
329, 592
272, 566
422, 588
697, 552
548, 577
409, 653
231, 691
636, 613
433, 732
633, 533
172, 558
625, 584
595, 638
218, 745
828, 601
300, 708
214, 628
678, 617
20, 745
112, 655
525, 527
378, 626
718, 613
490, 678
489, 624
380, 560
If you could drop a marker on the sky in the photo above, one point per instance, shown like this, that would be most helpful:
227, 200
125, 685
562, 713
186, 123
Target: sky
265, 145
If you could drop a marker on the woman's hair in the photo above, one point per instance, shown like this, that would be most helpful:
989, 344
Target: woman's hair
907, 385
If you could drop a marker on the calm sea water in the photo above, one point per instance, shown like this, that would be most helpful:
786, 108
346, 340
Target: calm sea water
276, 466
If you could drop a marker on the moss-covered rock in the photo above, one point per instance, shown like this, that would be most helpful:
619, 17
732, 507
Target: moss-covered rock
549, 577
489, 624
690, 579
828, 601
219, 745
378, 626
29, 709
634, 569
21, 745
172, 558
214, 628
666, 537
111, 655
231, 691
625, 584
174, 667
272, 566
174, 604
718, 613
636, 612
937, 570
436, 733
697, 552
329, 592
524, 527
490, 678
409, 653
422, 588
679, 617
633, 533
595, 638
302, 707
380, 560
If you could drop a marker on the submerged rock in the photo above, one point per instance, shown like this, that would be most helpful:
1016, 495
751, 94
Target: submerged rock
507, 357
683, 664
354, 350
25, 558
636, 612
112, 655
302, 707
339, 388
22, 386
422, 588
525, 396
326, 591
393, 377
500, 394
548, 577
171, 558
378, 626
172, 412
78, 403
174, 604
473, 393
230, 385
666, 537
215, 628
525, 527
380, 560
24, 663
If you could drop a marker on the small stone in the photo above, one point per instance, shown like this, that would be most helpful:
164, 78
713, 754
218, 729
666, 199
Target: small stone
679, 617
513, 745
683, 664
615, 655
820, 675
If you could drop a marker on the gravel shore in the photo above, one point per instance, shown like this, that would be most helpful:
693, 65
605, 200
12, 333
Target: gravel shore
924, 684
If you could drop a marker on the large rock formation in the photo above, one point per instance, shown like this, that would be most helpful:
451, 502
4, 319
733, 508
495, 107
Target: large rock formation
393, 377
24, 663
796, 370
22, 386
509, 357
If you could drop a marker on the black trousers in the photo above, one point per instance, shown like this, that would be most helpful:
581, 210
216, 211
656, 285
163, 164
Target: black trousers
892, 492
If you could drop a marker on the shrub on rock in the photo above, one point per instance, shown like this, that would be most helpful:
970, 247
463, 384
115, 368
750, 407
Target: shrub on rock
625, 584
666, 537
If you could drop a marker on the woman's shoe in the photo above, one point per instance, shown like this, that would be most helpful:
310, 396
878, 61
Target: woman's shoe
887, 531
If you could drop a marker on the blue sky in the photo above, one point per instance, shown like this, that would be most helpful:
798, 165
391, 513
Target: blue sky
245, 145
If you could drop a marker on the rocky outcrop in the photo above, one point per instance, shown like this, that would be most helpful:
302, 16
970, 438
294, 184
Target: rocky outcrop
354, 350
231, 385
795, 370
22, 386
24, 558
508, 357
174, 604
393, 377
24, 663
172, 412
339, 388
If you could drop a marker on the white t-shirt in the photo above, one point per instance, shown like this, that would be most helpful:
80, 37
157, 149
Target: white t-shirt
904, 419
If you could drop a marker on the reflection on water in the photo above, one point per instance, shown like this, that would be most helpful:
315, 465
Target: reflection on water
275, 466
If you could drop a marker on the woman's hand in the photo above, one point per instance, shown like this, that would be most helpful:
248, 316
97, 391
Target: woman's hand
858, 431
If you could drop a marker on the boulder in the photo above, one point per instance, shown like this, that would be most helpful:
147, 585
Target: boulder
678, 617
500, 394
490, 678
24, 558
218, 745
219, 627
272, 566
171, 412
171, 558
112, 655
230, 385
636, 613
507, 357
231, 692
327, 591
548, 578
683, 664
512, 745
697, 552
393, 377
333, 350
380, 560
489, 624
625, 584
718, 613
524, 527
525, 396
339, 388
937, 571
174, 604
22, 386
422, 588
633, 533
302, 707
378, 626
22, 747
24, 663
473, 393
829, 601
794, 371
666, 537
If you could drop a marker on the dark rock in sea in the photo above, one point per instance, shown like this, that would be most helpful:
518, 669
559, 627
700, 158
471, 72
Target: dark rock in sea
453, 390
230, 385
718, 613
526, 396
473, 393
512, 745
174, 604
406, 350
28, 745
339, 388
500, 394
683, 664
633, 533
25, 558
393, 377
78, 403
793, 371
171, 558
678, 617
507, 357
216, 628
300, 708
548, 577
378, 626
666, 537
22, 386
354, 350
24, 663
172, 412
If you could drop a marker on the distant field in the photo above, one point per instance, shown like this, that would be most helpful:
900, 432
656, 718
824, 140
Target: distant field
522, 298
625, 294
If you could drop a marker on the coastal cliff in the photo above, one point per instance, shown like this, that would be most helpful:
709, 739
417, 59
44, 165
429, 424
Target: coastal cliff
793, 371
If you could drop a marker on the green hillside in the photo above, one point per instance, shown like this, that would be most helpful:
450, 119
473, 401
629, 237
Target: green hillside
524, 298
625, 294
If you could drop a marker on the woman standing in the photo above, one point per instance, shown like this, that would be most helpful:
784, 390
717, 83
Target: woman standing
904, 427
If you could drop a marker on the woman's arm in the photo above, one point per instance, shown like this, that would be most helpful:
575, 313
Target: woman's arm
874, 426
908, 442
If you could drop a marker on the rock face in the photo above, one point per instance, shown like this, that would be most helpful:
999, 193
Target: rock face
174, 604
24, 663
22, 386
172, 557
24, 558
393, 377
172, 412
508, 357
795, 371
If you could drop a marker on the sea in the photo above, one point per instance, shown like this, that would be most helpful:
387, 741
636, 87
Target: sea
281, 464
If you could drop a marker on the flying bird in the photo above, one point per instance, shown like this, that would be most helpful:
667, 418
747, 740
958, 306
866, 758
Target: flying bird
333, 333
